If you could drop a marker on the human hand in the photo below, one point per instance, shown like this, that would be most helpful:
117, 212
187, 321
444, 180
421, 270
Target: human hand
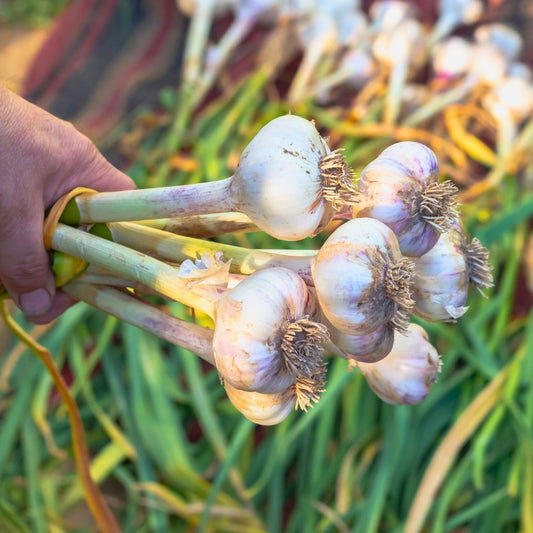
41, 159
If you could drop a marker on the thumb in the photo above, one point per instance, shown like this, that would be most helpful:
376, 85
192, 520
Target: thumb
24, 264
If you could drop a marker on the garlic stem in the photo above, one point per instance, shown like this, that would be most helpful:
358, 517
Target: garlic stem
203, 226
441, 101
393, 100
140, 313
161, 202
196, 41
240, 26
312, 56
443, 27
179, 248
130, 264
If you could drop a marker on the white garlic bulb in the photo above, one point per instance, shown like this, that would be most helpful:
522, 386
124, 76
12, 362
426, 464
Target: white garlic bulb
487, 64
263, 409
361, 279
514, 95
397, 44
443, 275
507, 40
368, 348
407, 373
401, 189
265, 338
289, 182
451, 58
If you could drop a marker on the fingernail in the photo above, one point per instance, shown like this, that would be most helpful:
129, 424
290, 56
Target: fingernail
36, 302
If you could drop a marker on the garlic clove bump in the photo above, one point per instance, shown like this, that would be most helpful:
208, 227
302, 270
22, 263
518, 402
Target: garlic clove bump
407, 373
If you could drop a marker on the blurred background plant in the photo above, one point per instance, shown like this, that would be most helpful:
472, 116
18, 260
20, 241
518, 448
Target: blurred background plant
169, 450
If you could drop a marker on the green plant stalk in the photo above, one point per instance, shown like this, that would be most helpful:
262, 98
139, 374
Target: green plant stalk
179, 248
203, 226
393, 100
441, 101
141, 204
131, 265
146, 316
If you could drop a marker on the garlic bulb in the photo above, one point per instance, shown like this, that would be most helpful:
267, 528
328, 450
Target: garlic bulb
265, 339
442, 276
397, 44
514, 96
401, 189
368, 348
487, 64
361, 279
451, 58
407, 373
263, 409
289, 182
507, 40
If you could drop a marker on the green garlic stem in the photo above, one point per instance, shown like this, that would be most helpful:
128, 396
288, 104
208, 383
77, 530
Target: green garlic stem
197, 37
130, 264
161, 202
179, 248
393, 99
146, 316
203, 226
312, 55
441, 101
443, 27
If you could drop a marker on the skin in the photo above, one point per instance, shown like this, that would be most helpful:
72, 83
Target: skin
41, 159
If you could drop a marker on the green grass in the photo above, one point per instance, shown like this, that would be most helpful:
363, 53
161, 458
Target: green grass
172, 454
30, 12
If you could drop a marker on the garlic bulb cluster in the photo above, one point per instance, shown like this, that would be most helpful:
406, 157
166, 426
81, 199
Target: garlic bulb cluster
407, 373
362, 280
401, 189
289, 182
444, 274
266, 339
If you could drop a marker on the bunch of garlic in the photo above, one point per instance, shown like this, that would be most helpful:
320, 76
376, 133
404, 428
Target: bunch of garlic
404, 252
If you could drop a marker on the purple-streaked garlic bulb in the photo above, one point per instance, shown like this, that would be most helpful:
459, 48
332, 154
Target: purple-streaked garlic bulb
263, 409
443, 276
362, 281
289, 182
368, 348
401, 189
266, 338
407, 373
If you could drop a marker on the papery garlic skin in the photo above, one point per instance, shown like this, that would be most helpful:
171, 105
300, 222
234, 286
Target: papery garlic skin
368, 348
288, 180
263, 409
407, 373
443, 275
401, 189
255, 320
361, 279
